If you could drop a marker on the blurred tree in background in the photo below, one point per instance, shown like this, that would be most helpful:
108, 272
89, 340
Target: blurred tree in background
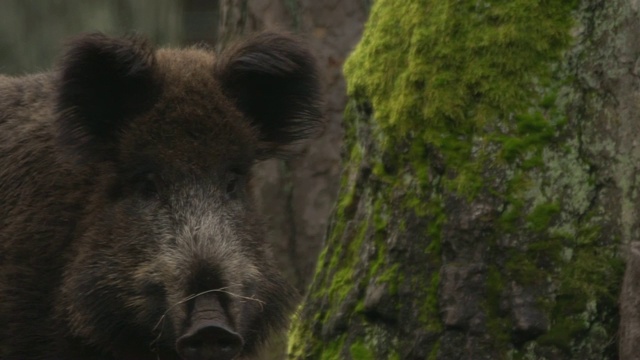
32, 33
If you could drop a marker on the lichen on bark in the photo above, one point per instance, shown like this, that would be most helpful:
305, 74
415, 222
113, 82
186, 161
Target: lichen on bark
475, 217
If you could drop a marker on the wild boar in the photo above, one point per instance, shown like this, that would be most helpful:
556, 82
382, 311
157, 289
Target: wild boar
127, 229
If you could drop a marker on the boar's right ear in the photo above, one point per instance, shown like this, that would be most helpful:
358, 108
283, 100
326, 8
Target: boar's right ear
273, 80
103, 82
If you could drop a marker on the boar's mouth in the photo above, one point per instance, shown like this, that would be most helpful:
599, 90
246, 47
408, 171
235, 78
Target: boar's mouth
210, 334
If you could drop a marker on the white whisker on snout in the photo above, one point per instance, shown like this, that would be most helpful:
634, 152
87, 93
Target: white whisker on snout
159, 325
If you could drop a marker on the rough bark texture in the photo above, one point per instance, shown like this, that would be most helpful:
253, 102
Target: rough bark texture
490, 184
298, 195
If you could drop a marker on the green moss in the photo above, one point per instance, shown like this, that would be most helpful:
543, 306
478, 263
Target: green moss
430, 314
380, 269
381, 215
349, 181
343, 262
433, 355
450, 70
392, 277
499, 326
533, 132
333, 350
298, 348
563, 333
523, 269
340, 285
540, 217
508, 221
359, 351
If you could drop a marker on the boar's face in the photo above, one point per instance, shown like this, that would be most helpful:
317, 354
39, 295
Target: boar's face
170, 260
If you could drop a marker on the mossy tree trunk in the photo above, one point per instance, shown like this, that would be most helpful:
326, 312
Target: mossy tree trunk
490, 185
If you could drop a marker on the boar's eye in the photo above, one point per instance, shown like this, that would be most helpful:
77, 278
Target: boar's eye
232, 184
138, 182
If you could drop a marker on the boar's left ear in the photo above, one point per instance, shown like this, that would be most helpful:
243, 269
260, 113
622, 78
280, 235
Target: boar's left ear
103, 83
273, 80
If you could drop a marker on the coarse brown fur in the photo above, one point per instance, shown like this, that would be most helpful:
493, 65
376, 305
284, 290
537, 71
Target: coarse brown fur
124, 190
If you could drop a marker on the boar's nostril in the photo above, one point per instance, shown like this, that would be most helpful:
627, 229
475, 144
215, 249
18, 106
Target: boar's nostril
210, 342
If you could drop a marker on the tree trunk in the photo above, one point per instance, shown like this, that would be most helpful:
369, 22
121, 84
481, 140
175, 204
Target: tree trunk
490, 184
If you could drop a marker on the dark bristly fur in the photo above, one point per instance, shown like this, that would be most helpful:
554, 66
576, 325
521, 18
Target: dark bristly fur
104, 82
250, 72
124, 191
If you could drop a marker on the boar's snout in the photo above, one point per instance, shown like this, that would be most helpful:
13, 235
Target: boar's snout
210, 342
209, 335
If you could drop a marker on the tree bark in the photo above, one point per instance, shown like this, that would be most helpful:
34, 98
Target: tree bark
490, 184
